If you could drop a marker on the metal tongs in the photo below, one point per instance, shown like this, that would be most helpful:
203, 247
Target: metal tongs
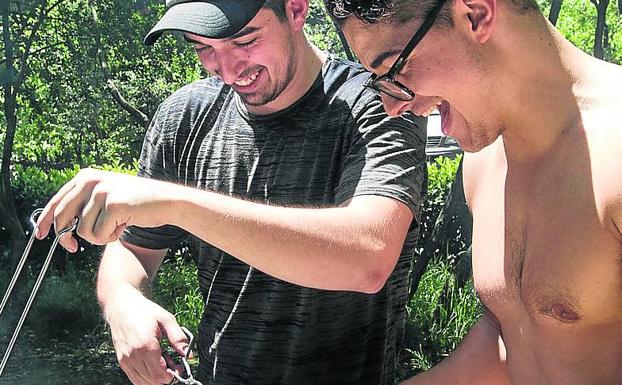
35, 289
189, 380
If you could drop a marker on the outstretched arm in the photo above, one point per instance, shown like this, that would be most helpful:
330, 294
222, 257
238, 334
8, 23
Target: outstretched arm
351, 247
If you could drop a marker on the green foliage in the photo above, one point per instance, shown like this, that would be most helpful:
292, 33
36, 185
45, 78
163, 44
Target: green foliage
66, 306
441, 174
321, 30
577, 22
66, 112
176, 288
35, 185
439, 315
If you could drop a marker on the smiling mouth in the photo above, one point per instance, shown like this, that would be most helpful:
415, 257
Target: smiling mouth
426, 105
247, 81
432, 108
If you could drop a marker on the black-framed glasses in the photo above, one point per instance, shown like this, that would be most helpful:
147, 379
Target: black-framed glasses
386, 83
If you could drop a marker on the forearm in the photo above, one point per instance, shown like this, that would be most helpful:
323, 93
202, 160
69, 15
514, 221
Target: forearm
478, 360
124, 270
340, 248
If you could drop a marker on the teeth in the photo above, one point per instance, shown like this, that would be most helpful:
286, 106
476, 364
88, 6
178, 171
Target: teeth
248, 81
429, 111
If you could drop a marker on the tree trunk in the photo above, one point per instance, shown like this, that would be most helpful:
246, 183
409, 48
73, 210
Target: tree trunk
8, 214
601, 24
9, 218
556, 6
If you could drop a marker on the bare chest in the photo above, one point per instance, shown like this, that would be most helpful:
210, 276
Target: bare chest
542, 246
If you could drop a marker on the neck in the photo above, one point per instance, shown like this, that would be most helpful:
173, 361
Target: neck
550, 84
307, 63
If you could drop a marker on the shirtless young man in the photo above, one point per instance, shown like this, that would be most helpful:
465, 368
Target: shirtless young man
540, 120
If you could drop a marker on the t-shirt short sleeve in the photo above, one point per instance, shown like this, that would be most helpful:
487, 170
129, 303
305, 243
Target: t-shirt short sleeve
386, 156
156, 163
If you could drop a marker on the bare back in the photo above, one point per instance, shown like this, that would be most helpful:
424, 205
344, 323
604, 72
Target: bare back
547, 253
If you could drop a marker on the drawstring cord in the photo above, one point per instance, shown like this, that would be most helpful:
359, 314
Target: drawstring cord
218, 335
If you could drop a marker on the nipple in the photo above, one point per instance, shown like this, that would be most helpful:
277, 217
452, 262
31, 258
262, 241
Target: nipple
561, 311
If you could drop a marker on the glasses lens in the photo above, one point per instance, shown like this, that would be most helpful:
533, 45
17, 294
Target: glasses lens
393, 89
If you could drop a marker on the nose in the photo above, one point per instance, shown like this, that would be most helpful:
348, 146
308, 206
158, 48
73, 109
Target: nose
225, 65
395, 107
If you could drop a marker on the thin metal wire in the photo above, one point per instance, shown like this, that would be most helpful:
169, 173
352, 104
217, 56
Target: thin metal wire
22, 260
35, 288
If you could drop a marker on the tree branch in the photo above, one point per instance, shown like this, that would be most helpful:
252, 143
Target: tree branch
137, 114
39, 50
23, 68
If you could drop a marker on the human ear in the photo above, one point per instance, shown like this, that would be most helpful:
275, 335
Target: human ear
297, 12
481, 15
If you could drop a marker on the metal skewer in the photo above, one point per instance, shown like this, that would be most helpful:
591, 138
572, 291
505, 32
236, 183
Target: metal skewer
35, 288
189, 379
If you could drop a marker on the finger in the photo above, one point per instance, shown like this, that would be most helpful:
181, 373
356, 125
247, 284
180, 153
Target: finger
68, 208
89, 216
44, 222
156, 367
134, 368
176, 336
136, 377
107, 227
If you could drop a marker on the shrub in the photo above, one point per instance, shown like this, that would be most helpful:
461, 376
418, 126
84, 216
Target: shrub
66, 305
34, 186
176, 288
441, 174
439, 315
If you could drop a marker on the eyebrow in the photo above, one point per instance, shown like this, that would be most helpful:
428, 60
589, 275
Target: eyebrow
382, 57
243, 32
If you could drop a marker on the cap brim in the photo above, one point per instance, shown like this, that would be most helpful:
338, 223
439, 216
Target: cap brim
215, 19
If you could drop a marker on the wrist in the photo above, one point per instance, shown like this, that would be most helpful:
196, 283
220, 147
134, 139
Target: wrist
111, 299
169, 207
182, 205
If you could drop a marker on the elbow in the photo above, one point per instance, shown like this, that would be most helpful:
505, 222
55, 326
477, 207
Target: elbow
378, 268
374, 282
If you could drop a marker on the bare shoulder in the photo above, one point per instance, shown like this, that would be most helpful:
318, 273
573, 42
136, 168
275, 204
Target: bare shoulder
477, 167
604, 138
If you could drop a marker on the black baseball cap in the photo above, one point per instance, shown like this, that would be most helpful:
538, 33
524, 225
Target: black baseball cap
215, 19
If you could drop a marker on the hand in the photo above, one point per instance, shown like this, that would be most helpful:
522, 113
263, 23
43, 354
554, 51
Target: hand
137, 325
105, 203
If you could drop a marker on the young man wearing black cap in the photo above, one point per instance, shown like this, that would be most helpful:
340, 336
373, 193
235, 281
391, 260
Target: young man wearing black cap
300, 197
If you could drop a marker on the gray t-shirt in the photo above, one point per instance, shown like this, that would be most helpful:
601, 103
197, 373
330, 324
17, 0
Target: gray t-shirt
334, 143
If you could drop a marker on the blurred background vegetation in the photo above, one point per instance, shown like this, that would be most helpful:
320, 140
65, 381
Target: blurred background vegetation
78, 90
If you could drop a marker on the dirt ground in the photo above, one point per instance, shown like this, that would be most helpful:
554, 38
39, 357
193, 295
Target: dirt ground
81, 361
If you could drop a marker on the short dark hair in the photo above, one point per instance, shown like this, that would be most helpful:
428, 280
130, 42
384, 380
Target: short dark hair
384, 11
277, 6
400, 11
